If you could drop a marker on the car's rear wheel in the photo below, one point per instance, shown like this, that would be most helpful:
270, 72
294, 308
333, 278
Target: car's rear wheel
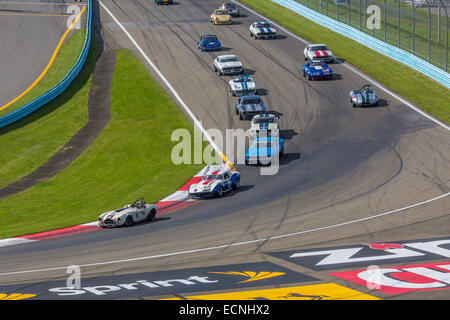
237, 184
129, 221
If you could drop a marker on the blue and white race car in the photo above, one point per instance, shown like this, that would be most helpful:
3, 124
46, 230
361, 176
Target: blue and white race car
217, 180
249, 106
263, 30
263, 150
244, 85
209, 42
315, 70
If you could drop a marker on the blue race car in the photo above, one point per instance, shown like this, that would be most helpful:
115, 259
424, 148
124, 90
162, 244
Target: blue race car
314, 70
164, 1
262, 150
249, 106
209, 42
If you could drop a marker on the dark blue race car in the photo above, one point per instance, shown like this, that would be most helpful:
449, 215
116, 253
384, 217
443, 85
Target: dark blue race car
315, 70
164, 1
249, 106
209, 42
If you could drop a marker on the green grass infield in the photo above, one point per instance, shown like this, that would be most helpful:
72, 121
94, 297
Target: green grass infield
130, 158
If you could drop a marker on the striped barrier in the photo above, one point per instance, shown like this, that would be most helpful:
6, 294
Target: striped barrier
388, 50
60, 87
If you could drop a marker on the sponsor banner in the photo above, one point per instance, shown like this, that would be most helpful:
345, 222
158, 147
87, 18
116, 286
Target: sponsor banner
237, 276
329, 291
368, 254
403, 279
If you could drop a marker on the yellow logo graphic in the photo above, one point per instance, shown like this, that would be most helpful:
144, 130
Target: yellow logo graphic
253, 276
328, 291
16, 296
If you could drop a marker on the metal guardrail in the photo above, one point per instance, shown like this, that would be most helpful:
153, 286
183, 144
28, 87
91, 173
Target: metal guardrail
60, 87
380, 46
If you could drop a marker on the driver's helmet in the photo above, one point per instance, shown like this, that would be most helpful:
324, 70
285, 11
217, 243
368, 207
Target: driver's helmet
138, 203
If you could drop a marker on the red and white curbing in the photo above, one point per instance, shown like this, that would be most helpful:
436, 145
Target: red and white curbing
179, 199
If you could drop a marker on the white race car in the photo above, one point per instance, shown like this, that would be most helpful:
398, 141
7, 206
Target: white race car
318, 52
263, 30
128, 215
228, 64
217, 180
243, 86
264, 124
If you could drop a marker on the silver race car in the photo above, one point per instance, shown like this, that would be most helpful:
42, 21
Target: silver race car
128, 215
365, 96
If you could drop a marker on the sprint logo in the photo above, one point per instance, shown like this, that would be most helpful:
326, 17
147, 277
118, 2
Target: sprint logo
198, 282
16, 296
252, 276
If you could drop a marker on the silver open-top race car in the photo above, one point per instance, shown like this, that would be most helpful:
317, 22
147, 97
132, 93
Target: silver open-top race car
128, 215
365, 96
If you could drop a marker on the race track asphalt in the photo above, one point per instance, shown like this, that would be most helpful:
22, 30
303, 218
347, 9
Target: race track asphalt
341, 165
30, 34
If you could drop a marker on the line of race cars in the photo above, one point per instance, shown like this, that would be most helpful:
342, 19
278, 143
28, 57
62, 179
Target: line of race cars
264, 127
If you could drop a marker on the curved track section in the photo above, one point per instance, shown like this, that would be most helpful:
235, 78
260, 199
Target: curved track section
342, 167
30, 33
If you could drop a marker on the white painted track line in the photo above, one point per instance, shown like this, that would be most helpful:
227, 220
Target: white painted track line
236, 244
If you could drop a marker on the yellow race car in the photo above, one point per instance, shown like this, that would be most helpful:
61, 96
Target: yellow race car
221, 16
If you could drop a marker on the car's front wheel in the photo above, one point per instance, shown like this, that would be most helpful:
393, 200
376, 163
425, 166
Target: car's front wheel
151, 215
219, 192
129, 221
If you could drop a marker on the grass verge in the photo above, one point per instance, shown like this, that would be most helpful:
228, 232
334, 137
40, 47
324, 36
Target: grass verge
30, 142
130, 158
427, 94
64, 61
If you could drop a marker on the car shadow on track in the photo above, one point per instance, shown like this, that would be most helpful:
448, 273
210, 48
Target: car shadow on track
289, 157
224, 49
338, 61
249, 71
287, 134
381, 103
262, 92
336, 76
